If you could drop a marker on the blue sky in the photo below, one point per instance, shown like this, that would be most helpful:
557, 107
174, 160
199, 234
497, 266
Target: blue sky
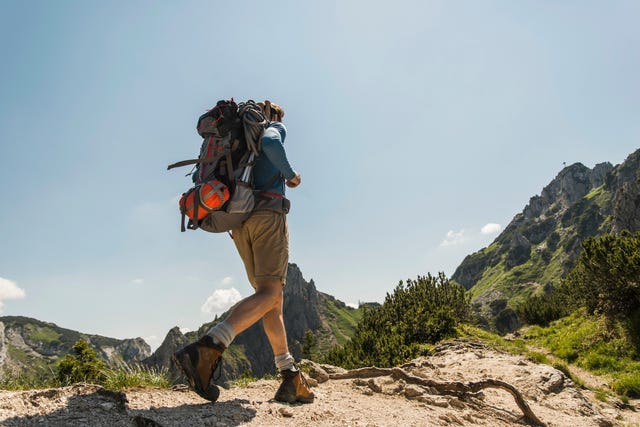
420, 129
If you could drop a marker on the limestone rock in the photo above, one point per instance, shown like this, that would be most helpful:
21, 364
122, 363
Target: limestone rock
580, 202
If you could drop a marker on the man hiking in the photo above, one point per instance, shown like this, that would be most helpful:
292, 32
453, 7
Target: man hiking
263, 243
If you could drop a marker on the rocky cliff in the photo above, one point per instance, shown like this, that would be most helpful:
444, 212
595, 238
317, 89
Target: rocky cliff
305, 309
541, 244
32, 346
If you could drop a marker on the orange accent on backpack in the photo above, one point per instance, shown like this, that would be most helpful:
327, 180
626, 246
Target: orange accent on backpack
211, 196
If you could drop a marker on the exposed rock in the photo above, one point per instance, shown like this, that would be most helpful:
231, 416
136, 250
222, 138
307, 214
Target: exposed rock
134, 349
552, 381
626, 207
571, 184
412, 391
506, 321
337, 402
519, 251
305, 309
314, 370
3, 346
161, 358
547, 235
28, 344
471, 269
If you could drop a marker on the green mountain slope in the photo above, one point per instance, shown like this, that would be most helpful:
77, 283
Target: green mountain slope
541, 244
30, 346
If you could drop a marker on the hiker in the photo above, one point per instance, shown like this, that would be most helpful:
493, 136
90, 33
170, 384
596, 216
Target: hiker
263, 244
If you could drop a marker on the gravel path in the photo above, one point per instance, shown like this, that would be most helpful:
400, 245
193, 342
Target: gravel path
378, 401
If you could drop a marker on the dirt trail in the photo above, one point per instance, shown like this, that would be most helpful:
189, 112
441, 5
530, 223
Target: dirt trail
380, 401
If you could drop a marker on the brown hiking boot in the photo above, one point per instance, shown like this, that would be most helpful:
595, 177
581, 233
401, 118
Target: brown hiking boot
198, 361
294, 388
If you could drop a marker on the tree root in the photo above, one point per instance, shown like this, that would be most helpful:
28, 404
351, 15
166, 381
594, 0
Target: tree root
453, 388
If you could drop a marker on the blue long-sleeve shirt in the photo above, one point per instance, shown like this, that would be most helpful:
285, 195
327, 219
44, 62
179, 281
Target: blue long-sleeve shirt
273, 160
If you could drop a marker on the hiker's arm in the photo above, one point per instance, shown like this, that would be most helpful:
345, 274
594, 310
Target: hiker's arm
274, 150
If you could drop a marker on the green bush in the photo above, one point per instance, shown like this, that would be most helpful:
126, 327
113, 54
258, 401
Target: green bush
81, 366
309, 345
543, 309
538, 357
628, 385
598, 361
421, 311
84, 365
605, 276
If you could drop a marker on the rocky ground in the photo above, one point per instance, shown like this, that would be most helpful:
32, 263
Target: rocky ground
379, 401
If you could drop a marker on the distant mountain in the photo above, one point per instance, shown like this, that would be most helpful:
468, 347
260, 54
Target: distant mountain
541, 244
33, 347
30, 346
329, 320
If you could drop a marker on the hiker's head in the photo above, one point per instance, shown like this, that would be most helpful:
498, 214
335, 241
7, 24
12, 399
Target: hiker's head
272, 111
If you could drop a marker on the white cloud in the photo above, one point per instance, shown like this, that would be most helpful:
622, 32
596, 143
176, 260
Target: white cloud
137, 281
453, 238
220, 301
9, 290
227, 281
352, 305
491, 228
184, 330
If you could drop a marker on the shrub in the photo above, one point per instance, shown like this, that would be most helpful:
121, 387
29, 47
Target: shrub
421, 311
605, 276
309, 345
81, 366
628, 385
84, 365
543, 309
134, 376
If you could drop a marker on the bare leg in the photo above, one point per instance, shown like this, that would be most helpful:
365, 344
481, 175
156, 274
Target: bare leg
268, 297
273, 323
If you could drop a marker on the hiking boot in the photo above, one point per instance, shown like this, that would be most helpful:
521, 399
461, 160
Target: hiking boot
198, 361
294, 388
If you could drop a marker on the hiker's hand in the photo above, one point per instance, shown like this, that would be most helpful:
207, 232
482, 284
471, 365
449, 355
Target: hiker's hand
294, 182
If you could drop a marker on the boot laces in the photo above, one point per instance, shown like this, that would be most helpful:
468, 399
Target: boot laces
304, 380
217, 366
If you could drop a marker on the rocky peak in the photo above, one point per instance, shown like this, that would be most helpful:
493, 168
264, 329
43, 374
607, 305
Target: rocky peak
627, 172
570, 185
625, 183
174, 340
301, 303
540, 245
305, 309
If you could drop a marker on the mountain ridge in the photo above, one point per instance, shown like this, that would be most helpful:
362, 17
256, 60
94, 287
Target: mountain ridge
329, 320
33, 346
541, 244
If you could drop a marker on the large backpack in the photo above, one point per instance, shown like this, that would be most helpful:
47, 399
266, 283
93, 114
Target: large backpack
222, 197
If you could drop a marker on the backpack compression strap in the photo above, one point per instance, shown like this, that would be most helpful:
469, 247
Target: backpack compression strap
193, 162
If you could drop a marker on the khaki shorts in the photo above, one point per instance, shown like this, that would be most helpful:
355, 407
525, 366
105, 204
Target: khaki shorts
263, 244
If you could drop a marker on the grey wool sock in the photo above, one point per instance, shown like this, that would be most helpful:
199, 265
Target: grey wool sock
284, 362
222, 333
